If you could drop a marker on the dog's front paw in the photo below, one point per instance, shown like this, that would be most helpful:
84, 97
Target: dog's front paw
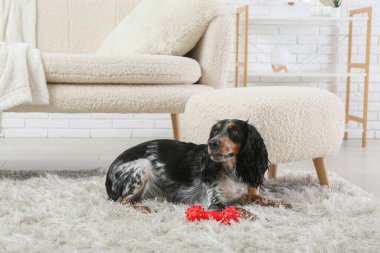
286, 205
246, 215
143, 209
273, 203
256, 199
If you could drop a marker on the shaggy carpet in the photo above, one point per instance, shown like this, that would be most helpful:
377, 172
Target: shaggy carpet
60, 214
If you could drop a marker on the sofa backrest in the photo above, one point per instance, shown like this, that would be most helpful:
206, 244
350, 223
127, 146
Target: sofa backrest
78, 26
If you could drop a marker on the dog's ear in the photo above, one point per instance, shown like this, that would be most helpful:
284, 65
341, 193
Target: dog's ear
252, 160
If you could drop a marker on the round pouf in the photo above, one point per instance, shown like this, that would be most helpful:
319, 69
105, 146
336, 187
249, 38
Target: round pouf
296, 123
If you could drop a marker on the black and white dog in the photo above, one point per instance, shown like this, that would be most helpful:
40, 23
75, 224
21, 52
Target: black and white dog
215, 175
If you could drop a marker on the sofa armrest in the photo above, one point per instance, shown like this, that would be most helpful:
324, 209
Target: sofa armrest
213, 52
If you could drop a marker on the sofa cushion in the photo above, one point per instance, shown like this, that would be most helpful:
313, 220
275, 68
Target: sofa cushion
137, 69
166, 27
112, 98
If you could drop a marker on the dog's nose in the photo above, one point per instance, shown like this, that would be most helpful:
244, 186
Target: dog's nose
213, 143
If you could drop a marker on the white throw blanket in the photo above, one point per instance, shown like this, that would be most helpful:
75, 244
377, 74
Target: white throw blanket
18, 21
22, 77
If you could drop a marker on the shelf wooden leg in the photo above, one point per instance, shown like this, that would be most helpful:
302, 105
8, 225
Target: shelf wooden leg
364, 136
320, 167
236, 81
272, 171
245, 78
176, 126
366, 79
348, 90
348, 80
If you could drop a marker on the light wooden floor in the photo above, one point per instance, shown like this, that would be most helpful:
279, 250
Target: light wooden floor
357, 165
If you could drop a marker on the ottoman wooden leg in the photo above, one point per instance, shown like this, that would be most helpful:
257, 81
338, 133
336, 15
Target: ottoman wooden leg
176, 126
320, 167
272, 171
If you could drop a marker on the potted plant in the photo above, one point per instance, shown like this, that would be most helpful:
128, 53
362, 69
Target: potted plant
335, 4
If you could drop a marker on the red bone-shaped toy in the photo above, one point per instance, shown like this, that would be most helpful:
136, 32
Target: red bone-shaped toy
198, 213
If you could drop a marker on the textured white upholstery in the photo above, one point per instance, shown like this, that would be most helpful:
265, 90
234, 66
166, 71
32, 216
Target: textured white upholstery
166, 27
137, 69
295, 123
213, 52
109, 98
80, 26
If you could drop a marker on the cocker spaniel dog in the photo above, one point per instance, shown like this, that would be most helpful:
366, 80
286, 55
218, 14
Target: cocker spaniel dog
215, 175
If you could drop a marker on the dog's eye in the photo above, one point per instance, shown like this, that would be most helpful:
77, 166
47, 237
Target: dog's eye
235, 132
215, 131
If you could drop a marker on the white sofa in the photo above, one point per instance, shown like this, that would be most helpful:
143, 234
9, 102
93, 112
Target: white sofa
70, 31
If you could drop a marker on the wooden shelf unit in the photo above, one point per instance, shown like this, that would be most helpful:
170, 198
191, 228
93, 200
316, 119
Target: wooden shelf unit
305, 74
367, 12
365, 66
312, 20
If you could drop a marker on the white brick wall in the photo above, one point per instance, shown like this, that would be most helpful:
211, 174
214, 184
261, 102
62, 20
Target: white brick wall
300, 40
86, 125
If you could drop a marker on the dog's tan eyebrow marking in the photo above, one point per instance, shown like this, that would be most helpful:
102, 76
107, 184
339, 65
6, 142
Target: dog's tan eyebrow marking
231, 125
218, 126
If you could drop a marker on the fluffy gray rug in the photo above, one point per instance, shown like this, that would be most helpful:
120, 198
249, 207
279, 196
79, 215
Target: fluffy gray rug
58, 214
